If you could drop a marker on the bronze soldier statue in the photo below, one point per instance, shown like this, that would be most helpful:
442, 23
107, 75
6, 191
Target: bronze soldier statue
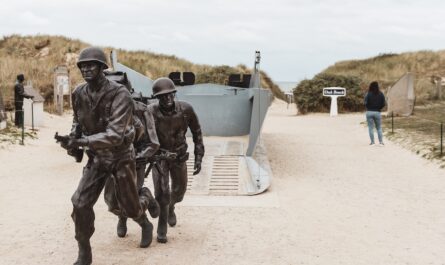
145, 144
103, 112
19, 95
172, 119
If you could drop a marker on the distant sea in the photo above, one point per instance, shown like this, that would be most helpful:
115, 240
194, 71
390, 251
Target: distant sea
286, 86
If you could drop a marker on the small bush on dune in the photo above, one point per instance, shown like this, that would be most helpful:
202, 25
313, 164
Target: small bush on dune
309, 94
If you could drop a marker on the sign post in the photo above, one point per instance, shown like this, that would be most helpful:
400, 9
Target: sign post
334, 93
61, 87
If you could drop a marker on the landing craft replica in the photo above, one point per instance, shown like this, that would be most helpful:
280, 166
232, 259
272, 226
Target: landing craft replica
235, 113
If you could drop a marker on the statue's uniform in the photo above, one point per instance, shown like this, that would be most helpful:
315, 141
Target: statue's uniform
19, 95
145, 143
171, 130
106, 122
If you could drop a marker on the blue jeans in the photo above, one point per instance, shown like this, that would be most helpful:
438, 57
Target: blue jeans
374, 117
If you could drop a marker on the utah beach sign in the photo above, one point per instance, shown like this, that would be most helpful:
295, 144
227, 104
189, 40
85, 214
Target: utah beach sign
334, 93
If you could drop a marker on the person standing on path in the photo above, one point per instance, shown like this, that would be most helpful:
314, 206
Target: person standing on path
19, 95
374, 102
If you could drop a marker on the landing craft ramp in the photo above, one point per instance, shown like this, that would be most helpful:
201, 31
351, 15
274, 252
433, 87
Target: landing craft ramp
231, 119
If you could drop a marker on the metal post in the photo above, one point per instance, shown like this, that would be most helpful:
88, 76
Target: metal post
32, 115
23, 127
60, 107
392, 122
441, 138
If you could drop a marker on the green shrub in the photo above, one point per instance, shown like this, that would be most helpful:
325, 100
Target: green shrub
309, 94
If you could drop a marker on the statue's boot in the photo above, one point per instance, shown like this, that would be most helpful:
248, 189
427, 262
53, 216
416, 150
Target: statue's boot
153, 206
84, 256
150, 202
162, 225
171, 215
122, 227
147, 231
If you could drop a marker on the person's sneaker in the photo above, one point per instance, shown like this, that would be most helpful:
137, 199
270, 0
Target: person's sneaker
371, 144
381, 144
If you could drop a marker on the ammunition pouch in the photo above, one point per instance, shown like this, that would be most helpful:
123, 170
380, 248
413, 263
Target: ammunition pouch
183, 158
169, 156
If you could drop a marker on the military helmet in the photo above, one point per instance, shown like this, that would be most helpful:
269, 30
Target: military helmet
163, 86
92, 54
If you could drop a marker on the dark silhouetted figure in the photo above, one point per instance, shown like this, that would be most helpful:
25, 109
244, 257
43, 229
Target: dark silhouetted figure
19, 95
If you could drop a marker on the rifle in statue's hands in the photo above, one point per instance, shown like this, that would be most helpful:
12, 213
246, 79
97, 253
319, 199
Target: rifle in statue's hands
169, 156
154, 160
64, 141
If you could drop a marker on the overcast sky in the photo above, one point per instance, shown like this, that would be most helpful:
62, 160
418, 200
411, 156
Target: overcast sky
297, 38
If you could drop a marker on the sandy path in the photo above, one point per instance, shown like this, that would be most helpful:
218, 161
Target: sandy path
334, 200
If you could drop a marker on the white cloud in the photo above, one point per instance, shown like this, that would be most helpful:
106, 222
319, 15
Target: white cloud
181, 37
31, 19
298, 38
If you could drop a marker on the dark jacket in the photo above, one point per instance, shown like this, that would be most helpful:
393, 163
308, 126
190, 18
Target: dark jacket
374, 102
19, 94
171, 129
107, 120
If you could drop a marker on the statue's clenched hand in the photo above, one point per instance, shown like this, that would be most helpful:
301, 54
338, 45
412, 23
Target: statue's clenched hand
197, 167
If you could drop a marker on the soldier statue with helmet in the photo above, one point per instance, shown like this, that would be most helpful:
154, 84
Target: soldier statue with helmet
103, 114
145, 143
172, 119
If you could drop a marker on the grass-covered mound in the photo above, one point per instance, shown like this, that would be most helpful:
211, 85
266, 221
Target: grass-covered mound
36, 57
388, 68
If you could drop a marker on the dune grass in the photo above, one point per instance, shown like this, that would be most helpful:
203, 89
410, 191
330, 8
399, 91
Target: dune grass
13, 135
37, 56
388, 68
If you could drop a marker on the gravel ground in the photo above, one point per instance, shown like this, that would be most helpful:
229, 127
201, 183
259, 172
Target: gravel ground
333, 200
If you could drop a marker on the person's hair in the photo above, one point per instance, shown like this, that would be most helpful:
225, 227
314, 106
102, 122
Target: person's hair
20, 77
374, 87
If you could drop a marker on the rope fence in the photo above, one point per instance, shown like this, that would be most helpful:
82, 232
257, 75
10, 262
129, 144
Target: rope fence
423, 126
